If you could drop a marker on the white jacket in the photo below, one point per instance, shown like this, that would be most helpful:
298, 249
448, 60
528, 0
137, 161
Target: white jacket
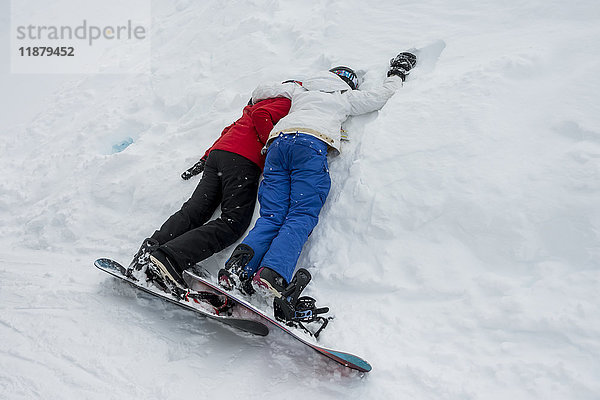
322, 104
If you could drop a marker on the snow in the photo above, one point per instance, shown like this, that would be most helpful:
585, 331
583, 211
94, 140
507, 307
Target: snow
459, 247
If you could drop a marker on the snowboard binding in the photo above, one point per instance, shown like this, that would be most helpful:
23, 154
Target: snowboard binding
141, 258
154, 278
297, 311
234, 275
221, 304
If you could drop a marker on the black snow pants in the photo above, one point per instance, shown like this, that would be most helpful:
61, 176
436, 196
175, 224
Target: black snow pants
188, 236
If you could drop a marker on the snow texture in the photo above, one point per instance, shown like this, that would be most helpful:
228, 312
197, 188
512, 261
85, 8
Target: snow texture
459, 247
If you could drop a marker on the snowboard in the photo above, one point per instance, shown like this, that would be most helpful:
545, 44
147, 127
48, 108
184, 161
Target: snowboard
198, 283
239, 319
244, 316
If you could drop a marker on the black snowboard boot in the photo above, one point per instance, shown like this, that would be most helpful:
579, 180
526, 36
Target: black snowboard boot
268, 280
234, 275
168, 270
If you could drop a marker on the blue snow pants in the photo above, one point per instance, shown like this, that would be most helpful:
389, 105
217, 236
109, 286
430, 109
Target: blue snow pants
294, 188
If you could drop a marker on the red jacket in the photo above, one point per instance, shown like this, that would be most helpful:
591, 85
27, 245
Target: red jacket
248, 135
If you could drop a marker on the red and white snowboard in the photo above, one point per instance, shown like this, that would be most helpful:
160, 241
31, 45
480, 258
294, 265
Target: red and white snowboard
198, 283
241, 314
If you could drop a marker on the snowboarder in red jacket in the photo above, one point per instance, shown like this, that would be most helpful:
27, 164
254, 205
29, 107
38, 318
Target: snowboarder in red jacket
231, 171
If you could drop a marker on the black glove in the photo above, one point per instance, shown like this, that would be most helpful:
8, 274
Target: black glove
195, 170
401, 64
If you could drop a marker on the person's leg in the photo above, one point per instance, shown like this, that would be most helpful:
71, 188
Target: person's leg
274, 198
309, 187
194, 212
239, 184
198, 209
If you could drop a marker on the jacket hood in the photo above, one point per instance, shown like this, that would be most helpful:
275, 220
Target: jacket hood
325, 82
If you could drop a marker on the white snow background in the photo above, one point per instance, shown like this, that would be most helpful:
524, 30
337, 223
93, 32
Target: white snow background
459, 246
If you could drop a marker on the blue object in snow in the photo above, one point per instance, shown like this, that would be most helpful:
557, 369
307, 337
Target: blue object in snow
122, 145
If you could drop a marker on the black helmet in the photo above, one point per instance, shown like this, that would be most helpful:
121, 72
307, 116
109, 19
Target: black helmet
348, 75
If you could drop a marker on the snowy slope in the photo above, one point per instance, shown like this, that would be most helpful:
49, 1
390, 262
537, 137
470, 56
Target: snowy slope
459, 247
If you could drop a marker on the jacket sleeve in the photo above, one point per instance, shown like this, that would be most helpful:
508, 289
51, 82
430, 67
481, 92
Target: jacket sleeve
365, 101
267, 115
269, 91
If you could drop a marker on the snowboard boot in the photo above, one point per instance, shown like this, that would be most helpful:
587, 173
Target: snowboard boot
267, 280
142, 257
167, 269
234, 275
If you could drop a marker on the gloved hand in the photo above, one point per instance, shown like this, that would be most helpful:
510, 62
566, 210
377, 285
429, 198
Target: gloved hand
402, 64
195, 170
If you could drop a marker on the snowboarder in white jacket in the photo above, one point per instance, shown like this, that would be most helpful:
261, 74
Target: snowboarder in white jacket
296, 176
